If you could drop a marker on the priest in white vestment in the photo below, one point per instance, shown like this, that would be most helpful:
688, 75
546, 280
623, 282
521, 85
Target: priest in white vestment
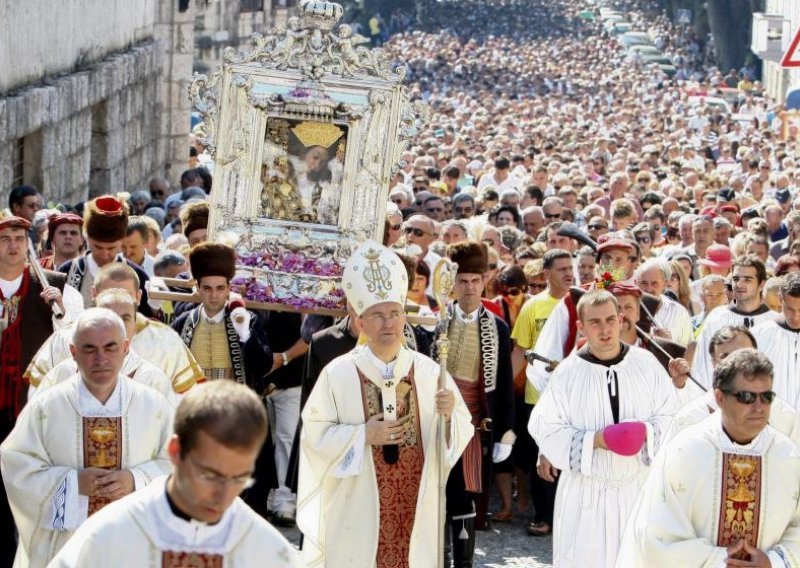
195, 517
780, 341
724, 492
600, 422
748, 310
156, 342
134, 367
782, 416
368, 462
82, 444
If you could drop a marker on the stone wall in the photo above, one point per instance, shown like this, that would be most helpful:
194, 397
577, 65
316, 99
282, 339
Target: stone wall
99, 106
86, 133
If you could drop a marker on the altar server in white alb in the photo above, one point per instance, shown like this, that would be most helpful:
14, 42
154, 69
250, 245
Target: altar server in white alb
368, 463
780, 341
194, 517
600, 421
724, 492
748, 310
83, 443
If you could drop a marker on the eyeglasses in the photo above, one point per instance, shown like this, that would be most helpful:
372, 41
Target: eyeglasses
536, 285
749, 397
513, 291
492, 266
434, 209
596, 227
463, 209
396, 227
643, 239
417, 232
243, 482
384, 318
552, 215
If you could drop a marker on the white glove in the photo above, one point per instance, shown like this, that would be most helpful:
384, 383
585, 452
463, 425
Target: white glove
155, 284
240, 318
501, 452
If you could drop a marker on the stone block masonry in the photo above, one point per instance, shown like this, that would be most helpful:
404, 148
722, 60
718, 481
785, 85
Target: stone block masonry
94, 131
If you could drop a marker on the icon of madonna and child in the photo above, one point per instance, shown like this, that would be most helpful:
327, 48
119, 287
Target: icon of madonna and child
302, 170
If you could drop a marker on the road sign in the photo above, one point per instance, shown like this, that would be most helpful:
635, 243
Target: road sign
684, 17
791, 58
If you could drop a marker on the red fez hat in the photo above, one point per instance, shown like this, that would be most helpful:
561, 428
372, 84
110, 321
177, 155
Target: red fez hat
63, 219
13, 222
615, 243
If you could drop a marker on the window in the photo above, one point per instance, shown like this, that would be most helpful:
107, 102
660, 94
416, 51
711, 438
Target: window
252, 5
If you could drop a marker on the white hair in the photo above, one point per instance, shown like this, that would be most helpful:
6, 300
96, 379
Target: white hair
97, 316
654, 263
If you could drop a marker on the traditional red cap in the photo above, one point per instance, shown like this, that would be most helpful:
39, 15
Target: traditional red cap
14, 223
625, 288
63, 219
615, 243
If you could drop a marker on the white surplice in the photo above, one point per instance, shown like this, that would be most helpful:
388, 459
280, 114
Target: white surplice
782, 416
782, 346
155, 342
338, 502
702, 369
676, 519
597, 488
134, 367
675, 318
42, 456
135, 531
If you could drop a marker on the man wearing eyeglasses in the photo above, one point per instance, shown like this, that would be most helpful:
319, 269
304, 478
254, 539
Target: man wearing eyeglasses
433, 207
194, 517
724, 492
368, 459
748, 309
84, 443
420, 230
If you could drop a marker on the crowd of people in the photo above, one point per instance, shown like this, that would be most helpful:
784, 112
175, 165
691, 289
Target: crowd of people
626, 309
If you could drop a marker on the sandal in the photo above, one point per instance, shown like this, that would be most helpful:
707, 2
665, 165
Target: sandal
503, 516
539, 529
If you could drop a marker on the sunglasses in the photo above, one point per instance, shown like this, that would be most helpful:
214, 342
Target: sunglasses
396, 227
492, 266
513, 291
434, 209
464, 209
749, 397
552, 215
597, 227
536, 285
415, 231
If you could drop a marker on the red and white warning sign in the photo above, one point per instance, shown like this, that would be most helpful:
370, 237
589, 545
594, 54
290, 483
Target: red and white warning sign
792, 58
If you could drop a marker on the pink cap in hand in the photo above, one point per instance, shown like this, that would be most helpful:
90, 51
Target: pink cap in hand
625, 439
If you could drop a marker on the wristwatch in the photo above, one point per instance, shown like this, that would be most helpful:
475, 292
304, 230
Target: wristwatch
285, 359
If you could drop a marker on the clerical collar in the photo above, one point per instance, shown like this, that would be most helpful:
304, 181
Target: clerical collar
89, 405
587, 356
762, 309
467, 317
385, 369
215, 319
11, 287
177, 511
782, 323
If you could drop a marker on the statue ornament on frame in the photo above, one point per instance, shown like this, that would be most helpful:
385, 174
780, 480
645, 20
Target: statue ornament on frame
305, 130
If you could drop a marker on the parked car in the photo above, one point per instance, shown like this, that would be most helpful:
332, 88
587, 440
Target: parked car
713, 102
629, 39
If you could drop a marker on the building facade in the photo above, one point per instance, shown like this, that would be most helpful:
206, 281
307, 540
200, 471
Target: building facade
93, 94
786, 15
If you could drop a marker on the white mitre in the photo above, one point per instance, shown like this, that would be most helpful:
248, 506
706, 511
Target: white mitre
373, 275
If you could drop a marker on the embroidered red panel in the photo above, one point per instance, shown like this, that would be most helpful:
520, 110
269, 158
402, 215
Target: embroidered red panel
102, 447
398, 483
740, 505
173, 559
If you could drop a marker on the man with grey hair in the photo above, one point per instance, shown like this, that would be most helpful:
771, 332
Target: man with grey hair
682, 517
533, 220
454, 232
784, 246
672, 320
713, 295
463, 206
169, 264
86, 442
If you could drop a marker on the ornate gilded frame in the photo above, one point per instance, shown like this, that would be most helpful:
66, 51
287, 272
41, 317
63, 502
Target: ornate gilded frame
310, 75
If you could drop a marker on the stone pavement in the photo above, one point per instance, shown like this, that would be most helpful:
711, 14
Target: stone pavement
504, 545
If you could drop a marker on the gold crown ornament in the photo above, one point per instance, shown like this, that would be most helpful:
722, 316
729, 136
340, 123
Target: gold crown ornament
317, 134
320, 14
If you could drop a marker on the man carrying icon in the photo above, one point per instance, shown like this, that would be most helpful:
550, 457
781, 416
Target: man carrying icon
600, 421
